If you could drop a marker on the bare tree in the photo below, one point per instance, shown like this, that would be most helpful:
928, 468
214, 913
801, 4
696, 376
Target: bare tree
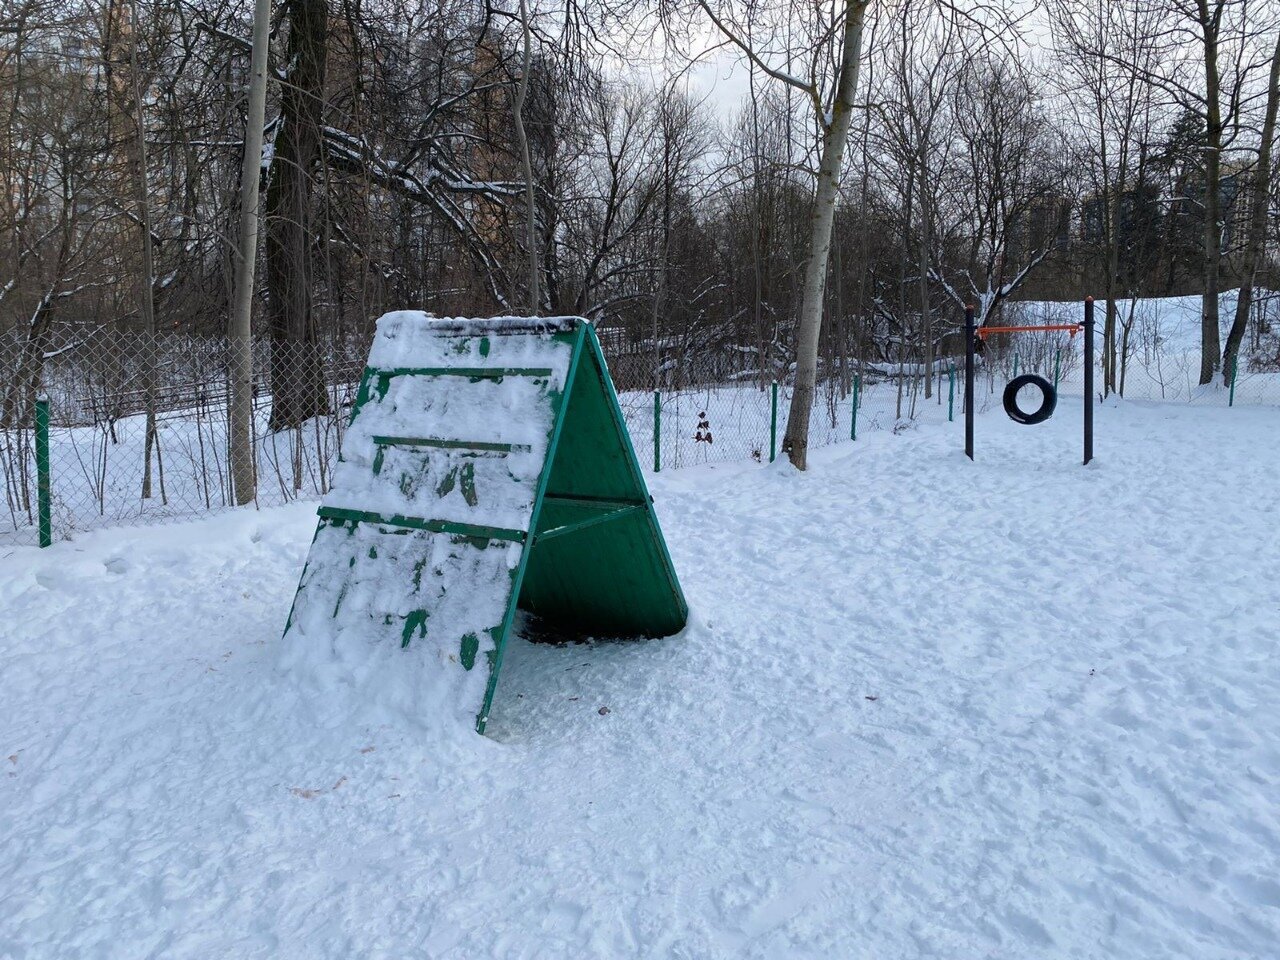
924, 57
1259, 203
1006, 180
835, 43
526, 161
1215, 89
240, 441
1116, 110
297, 370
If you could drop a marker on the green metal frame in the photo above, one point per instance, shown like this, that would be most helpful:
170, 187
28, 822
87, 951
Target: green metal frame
598, 563
472, 531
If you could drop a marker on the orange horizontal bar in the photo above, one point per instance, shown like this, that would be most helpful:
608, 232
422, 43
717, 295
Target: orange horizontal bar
1073, 327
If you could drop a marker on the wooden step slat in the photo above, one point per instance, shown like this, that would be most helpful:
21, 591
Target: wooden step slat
477, 445
589, 522
472, 530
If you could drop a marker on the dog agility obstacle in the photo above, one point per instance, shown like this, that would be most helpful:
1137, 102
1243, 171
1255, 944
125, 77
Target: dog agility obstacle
973, 333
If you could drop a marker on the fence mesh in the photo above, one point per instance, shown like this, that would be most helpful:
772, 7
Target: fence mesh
139, 426
139, 431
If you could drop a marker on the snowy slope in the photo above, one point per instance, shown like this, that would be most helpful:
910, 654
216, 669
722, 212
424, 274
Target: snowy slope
1072, 751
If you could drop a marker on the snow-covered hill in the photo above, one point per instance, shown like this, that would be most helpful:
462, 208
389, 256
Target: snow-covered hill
1015, 708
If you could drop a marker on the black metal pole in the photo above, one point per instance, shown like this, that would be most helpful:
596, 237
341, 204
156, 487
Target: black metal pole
970, 335
1088, 380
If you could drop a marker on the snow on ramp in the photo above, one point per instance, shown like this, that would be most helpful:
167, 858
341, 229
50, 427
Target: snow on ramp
407, 588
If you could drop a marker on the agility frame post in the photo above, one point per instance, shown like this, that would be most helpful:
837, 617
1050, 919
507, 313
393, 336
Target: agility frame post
970, 338
1088, 380
971, 334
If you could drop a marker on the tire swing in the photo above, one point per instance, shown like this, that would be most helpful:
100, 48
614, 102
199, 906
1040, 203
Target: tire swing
1048, 399
973, 338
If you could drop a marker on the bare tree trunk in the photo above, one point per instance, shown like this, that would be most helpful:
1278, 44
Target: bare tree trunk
903, 261
796, 440
1255, 245
531, 222
926, 314
297, 369
1211, 260
243, 472
146, 282
1110, 279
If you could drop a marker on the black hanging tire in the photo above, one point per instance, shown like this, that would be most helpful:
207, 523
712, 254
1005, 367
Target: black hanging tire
1048, 400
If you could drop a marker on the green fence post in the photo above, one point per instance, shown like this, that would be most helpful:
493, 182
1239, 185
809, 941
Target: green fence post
853, 422
773, 423
951, 393
42, 471
1057, 364
657, 432
1015, 366
1235, 368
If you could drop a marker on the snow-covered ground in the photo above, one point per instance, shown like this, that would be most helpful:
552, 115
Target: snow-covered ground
1015, 708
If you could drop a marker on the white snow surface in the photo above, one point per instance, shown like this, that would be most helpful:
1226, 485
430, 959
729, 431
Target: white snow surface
1016, 708
413, 338
513, 410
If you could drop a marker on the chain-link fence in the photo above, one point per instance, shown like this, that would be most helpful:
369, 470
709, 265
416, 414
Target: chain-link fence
139, 428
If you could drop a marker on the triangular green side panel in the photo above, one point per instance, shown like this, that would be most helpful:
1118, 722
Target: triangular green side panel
599, 564
487, 466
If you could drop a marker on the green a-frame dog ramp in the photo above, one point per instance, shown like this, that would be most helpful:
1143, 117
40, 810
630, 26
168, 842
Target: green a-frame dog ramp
486, 468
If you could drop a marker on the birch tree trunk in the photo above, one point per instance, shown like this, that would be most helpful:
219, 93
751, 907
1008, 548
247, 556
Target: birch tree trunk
1111, 276
531, 221
1256, 243
835, 138
926, 313
243, 473
1211, 262
146, 282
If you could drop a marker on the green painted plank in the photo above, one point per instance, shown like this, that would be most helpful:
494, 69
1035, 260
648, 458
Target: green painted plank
473, 373
602, 502
590, 522
470, 530
452, 444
